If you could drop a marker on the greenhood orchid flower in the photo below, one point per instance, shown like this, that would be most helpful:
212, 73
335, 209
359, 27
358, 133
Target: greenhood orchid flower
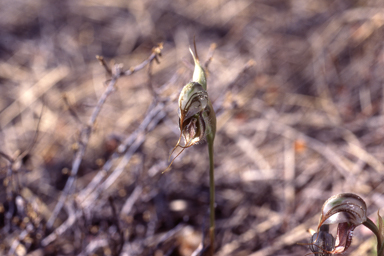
197, 119
348, 211
197, 122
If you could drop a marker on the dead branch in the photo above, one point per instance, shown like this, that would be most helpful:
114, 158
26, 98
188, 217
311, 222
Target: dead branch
86, 132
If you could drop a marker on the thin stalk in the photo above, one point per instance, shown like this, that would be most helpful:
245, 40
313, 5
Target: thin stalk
212, 196
372, 226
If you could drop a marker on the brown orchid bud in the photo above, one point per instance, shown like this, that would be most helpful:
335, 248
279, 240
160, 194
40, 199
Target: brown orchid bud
197, 119
193, 101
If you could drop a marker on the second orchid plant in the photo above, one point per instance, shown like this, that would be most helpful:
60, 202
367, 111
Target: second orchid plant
348, 211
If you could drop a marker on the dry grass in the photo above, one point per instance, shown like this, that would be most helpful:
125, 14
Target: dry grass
298, 88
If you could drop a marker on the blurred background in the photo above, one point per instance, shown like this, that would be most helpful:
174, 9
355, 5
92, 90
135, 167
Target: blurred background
298, 90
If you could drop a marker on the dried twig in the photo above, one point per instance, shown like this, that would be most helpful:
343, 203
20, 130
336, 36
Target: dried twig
72, 216
7, 157
117, 223
153, 111
90, 198
86, 132
104, 64
130, 201
71, 110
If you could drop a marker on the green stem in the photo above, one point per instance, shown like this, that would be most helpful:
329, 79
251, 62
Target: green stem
212, 196
372, 226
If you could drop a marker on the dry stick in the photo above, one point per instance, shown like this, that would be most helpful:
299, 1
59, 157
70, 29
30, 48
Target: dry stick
291, 237
117, 223
70, 109
83, 142
72, 217
7, 157
36, 135
271, 125
322, 149
156, 52
93, 245
273, 219
115, 174
140, 138
245, 145
149, 241
171, 233
31, 146
152, 112
68, 223
104, 64
86, 132
29, 96
131, 201
10, 170
20, 238
218, 104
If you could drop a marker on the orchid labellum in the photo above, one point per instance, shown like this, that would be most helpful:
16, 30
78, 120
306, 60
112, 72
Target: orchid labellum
322, 242
348, 211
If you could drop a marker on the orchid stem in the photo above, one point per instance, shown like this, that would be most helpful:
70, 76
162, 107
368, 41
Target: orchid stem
372, 226
212, 196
